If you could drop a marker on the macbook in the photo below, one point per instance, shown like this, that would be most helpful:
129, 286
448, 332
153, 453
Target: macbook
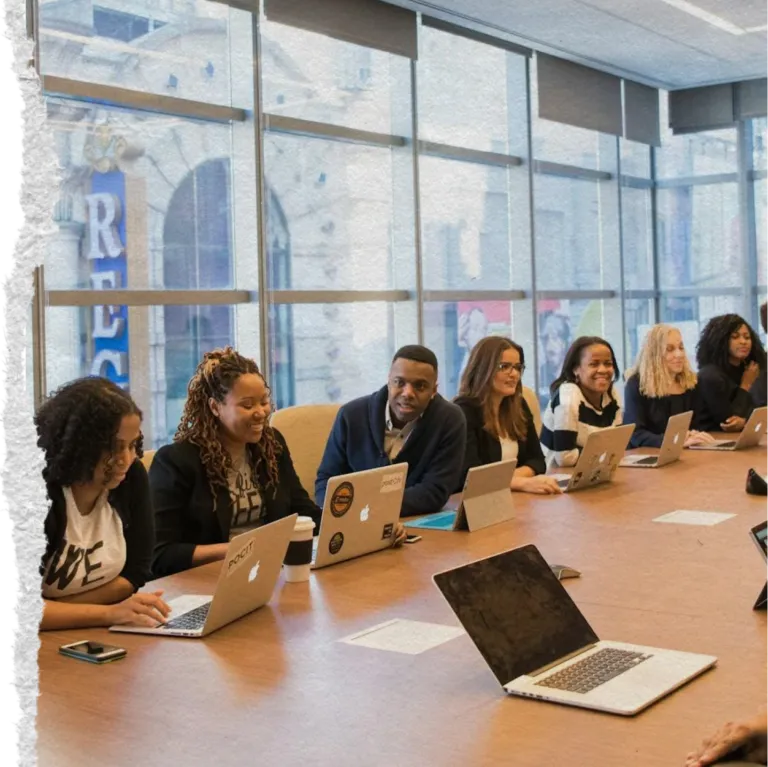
485, 500
359, 514
750, 435
539, 645
247, 579
671, 447
599, 458
758, 534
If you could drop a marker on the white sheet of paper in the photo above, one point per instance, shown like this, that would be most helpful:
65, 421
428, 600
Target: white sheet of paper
689, 517
408, 637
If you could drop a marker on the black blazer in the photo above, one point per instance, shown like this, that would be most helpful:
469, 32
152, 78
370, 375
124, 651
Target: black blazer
130, 500
482, 447
184, 515
722, 396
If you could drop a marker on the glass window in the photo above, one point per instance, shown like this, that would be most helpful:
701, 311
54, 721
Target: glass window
635, 159
695, 154
577, 234
637, 238
335, 352
199, 51
470, 94
314, 77
638, 317
154, 361
699, 240
333, 220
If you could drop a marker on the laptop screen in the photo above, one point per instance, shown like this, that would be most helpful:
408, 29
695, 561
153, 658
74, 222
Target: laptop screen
516, 611
759, 535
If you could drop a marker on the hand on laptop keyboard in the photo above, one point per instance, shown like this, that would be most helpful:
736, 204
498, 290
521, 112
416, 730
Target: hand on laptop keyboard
141, 609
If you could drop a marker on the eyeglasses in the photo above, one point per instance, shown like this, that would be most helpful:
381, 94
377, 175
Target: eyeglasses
506, 367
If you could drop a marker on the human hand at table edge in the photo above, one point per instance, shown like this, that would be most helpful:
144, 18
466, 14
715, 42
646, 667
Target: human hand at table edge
140, 609
749, 736
541, 484
698, 438
733, 423
399, 535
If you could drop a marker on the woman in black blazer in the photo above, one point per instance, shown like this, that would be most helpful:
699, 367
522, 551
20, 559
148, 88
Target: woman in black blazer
227, 470
500, 425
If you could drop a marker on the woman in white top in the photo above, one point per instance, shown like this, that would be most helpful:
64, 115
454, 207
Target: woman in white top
584, 400
500, 425
99, 529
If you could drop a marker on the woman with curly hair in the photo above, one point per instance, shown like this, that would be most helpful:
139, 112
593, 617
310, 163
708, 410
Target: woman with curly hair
730, 358
500, 424
227, 470
99, 529
661, 384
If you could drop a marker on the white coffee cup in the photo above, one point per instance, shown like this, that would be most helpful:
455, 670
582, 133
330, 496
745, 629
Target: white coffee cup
299, 552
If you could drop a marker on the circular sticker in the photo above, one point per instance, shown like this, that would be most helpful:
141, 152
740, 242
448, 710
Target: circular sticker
342, 498
337, 541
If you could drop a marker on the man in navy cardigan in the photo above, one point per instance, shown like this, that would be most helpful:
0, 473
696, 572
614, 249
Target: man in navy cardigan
406, 421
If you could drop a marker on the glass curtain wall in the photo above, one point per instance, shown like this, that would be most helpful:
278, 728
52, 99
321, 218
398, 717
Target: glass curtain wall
351, 201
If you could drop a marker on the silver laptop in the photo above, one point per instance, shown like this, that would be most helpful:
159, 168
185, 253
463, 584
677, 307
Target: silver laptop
359, 514
599, 458
539, 645
672, 445
751, 434
758, 535
486, 498
247, 579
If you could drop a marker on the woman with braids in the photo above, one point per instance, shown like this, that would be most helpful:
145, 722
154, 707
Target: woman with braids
226, 471
730, 358
99, 529
661, 384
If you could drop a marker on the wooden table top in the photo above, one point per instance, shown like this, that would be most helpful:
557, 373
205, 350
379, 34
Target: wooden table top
277, 688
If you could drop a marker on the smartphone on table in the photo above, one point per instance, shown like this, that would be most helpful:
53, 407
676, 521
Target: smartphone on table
93, 652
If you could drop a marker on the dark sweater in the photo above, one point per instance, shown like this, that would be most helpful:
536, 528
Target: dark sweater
650, 414
483, 448
130, 500
721, 396
183, 503
434, 451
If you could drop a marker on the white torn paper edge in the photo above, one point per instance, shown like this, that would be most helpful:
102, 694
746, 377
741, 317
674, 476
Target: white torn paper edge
689, 517
404, 636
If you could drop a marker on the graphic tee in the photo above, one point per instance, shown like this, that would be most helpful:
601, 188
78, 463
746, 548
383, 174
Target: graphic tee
91, 554
247, 509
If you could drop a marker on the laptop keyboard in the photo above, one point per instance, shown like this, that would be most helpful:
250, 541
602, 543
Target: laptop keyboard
194, 619
597, 669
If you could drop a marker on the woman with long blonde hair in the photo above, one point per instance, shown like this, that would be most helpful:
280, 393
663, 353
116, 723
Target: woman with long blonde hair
659, 385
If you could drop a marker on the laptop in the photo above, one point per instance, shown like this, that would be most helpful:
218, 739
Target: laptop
750, 435
671, 447
539, 645
247, 579
599, 458
485, 500
758, 535
359, 514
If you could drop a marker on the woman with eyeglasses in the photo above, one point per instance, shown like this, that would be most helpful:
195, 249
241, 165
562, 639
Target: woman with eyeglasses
584, 400
500, 425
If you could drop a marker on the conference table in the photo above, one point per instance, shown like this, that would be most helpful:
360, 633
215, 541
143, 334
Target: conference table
277, 687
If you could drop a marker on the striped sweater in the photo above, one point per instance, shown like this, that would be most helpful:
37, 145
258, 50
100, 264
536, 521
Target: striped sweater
569, 419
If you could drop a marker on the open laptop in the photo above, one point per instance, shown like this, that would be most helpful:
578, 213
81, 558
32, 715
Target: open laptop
599, 458
750, 435
539, 645
247, 579
359, 514
758, 535
672, 445
485, 500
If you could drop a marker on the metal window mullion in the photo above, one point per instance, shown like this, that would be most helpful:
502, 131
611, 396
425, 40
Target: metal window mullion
532, 219
134, 297
747, 218
415, 144
464, 154
622, 294
39, 384
655, 240
294, 126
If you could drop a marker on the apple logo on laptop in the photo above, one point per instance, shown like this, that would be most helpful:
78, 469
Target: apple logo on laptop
254, 572
364, 513
602, 458
677, 438
758, 427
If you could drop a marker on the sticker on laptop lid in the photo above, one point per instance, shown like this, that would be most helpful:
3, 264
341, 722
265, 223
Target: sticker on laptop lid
342, 498
390, 483
240, 558
336, 542
388, 531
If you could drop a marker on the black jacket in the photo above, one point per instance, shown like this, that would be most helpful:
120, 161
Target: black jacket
651, 414
483, 447
184, 515
130, 500
722, 396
